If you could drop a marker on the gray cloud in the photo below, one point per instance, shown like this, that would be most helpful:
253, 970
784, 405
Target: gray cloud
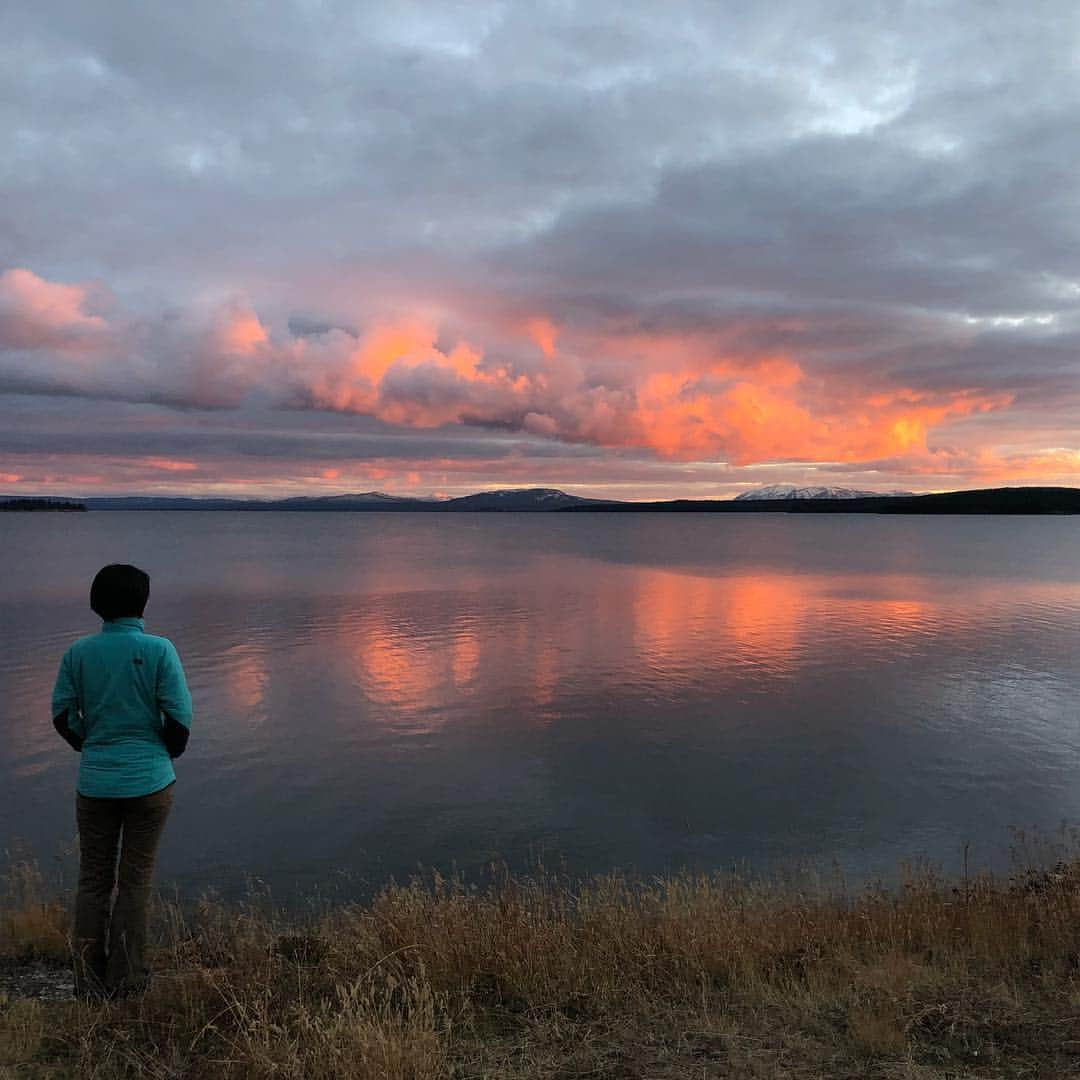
887, 195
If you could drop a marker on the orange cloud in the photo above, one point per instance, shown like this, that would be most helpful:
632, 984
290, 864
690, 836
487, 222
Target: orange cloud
694, 400
167, 464
685, 396
544, 332
240, 333
1047, 467
387, 344
775, 413
400, 374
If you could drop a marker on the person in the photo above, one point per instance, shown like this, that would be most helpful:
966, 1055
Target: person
122, 701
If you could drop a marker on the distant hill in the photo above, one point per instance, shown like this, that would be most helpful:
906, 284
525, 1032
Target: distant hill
371, 500
166, 502
1023, 500
519, 499
790, 491
368, 500
32, 504
514, 499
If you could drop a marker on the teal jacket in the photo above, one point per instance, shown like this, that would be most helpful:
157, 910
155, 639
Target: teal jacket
122, 700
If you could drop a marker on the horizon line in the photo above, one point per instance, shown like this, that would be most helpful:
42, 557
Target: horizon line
490, 491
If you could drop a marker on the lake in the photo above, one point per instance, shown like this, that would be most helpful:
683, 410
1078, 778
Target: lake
375, 692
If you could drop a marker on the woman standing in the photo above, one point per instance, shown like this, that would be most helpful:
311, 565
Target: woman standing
121, 699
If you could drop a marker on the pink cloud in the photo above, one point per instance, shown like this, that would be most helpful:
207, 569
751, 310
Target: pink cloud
40, 314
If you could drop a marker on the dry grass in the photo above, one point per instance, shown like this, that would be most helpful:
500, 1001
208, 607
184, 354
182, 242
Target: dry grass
679, 978
33, 924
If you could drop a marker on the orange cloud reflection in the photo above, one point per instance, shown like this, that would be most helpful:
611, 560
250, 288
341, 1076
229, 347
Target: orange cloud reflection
245, 678
645, 627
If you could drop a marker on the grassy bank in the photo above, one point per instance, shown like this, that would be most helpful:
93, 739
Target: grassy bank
687, 977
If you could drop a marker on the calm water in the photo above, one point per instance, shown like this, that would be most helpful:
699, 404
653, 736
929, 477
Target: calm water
378, 691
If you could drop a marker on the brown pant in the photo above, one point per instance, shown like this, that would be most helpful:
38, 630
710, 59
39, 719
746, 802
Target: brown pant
110, 940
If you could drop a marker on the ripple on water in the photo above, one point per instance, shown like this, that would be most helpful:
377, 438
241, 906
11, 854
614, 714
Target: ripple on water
405, 690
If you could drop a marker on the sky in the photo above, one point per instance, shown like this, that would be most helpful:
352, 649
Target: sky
634, 250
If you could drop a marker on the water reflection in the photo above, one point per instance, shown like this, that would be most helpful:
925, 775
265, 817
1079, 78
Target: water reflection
661, 630
652, 694
243, 676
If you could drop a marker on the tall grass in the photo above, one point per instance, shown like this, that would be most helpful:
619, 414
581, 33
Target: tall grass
688, 976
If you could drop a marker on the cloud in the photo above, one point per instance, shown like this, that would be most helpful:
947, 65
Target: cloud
747, 235
680, 395
36, 314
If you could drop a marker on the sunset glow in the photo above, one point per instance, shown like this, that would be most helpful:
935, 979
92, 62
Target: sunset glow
607, 274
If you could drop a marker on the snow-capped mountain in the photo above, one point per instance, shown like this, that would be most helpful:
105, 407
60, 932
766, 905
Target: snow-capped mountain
790, 491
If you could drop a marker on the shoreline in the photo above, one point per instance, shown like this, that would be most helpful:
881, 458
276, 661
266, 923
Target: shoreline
1004, 501
677, 977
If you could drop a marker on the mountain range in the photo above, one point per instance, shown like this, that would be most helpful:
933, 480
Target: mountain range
790, 491
1018, 500
773, 499
515, 499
